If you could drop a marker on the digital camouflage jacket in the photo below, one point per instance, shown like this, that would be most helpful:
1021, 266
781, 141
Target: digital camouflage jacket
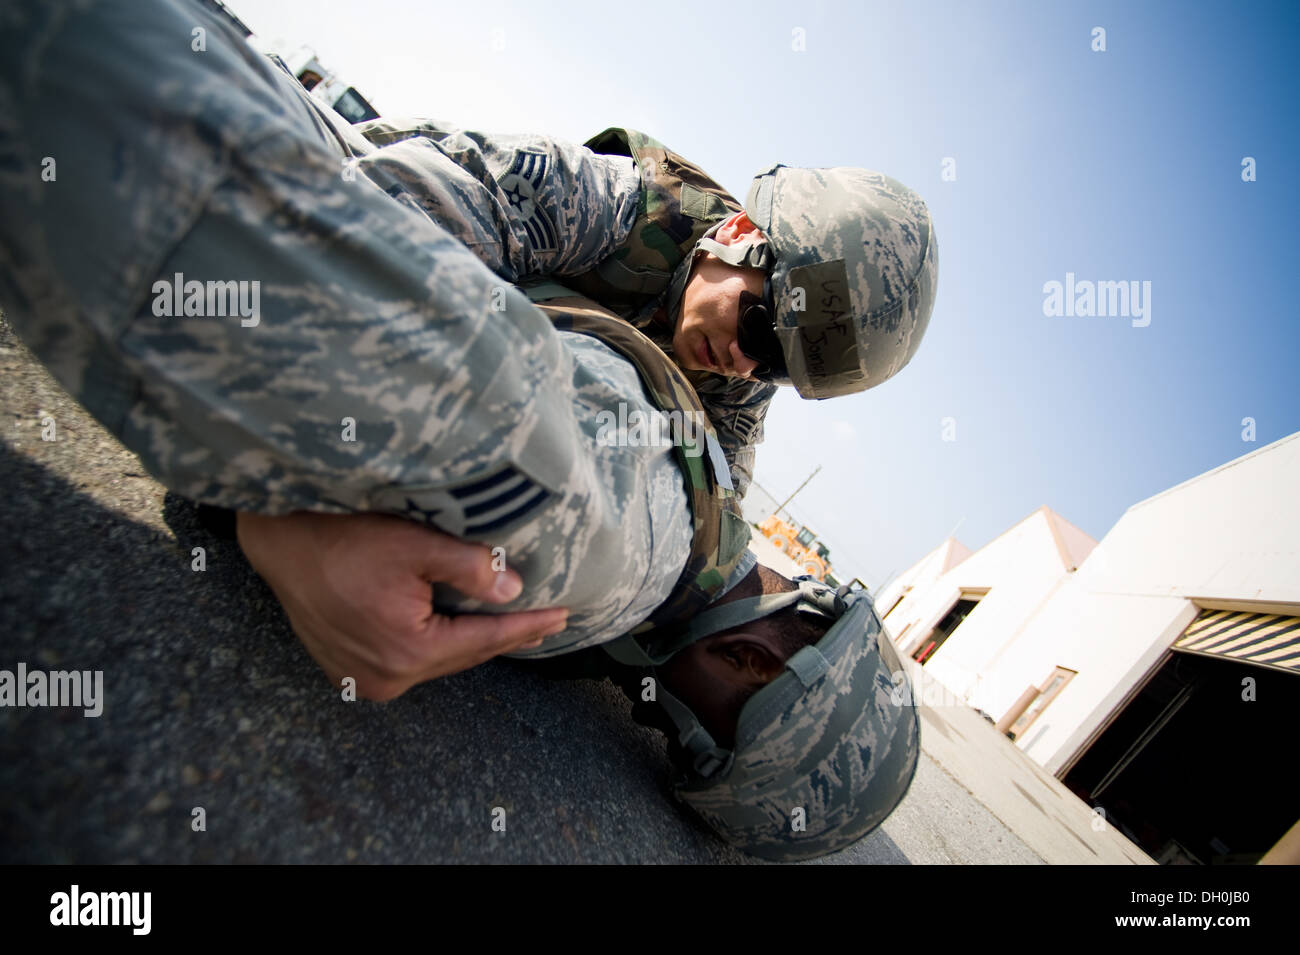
613, 220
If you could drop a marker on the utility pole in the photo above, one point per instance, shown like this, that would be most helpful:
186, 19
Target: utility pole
781, 507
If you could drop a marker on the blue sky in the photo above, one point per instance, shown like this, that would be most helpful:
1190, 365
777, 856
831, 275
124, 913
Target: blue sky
1123, 165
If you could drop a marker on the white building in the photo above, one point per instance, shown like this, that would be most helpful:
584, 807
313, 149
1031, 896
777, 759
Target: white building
1152, 672
990, 594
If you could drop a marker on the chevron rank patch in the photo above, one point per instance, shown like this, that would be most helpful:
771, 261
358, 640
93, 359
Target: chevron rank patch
484, 505
521, 184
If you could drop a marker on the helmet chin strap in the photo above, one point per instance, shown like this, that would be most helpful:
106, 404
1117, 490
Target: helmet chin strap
706, 756
749, 253
652, 650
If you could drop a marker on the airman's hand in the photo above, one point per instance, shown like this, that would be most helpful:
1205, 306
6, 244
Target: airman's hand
356, 589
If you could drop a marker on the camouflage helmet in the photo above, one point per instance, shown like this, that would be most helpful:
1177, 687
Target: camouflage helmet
854, 269
823, 753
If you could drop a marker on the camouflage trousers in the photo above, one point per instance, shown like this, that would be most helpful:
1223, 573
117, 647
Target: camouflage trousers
181, 244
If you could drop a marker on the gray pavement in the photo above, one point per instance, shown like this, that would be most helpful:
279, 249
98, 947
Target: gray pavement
211, 702
1048, 819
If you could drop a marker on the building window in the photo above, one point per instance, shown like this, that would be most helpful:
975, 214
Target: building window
1049, 691
898, 600
939, 635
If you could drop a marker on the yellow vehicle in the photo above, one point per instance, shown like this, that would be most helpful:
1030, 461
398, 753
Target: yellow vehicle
800, 544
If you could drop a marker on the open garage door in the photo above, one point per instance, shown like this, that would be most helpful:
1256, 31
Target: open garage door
1264, 639
1195, 767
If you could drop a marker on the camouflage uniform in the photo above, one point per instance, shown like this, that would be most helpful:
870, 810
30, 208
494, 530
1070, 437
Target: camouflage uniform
523, 177
470, 412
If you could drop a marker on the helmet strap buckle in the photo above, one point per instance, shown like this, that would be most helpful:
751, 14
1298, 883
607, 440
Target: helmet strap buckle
711, 761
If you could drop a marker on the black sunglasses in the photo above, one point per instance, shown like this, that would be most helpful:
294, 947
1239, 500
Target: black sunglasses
756, 334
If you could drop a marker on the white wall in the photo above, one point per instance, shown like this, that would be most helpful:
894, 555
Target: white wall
1021, 569
1231, 535
920, 575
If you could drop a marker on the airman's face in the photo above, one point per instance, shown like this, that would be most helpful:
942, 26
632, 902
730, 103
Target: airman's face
710, 675
716, 675
705, 338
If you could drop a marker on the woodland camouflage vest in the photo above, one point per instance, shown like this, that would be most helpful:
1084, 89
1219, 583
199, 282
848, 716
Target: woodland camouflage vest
679, 203
721, 533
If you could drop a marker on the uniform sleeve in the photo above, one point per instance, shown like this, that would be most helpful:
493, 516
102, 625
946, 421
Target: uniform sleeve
526, 205
202, 271
737, 409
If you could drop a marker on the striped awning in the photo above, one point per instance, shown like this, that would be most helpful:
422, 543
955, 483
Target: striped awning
1265, 639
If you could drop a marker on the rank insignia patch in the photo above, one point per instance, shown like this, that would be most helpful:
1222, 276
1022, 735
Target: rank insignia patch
479, 506
521, 184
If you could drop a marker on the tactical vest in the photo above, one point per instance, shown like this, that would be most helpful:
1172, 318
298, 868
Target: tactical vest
679, 203
720, 532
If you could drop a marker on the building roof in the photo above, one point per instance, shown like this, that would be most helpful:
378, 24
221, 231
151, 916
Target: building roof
1204, 475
